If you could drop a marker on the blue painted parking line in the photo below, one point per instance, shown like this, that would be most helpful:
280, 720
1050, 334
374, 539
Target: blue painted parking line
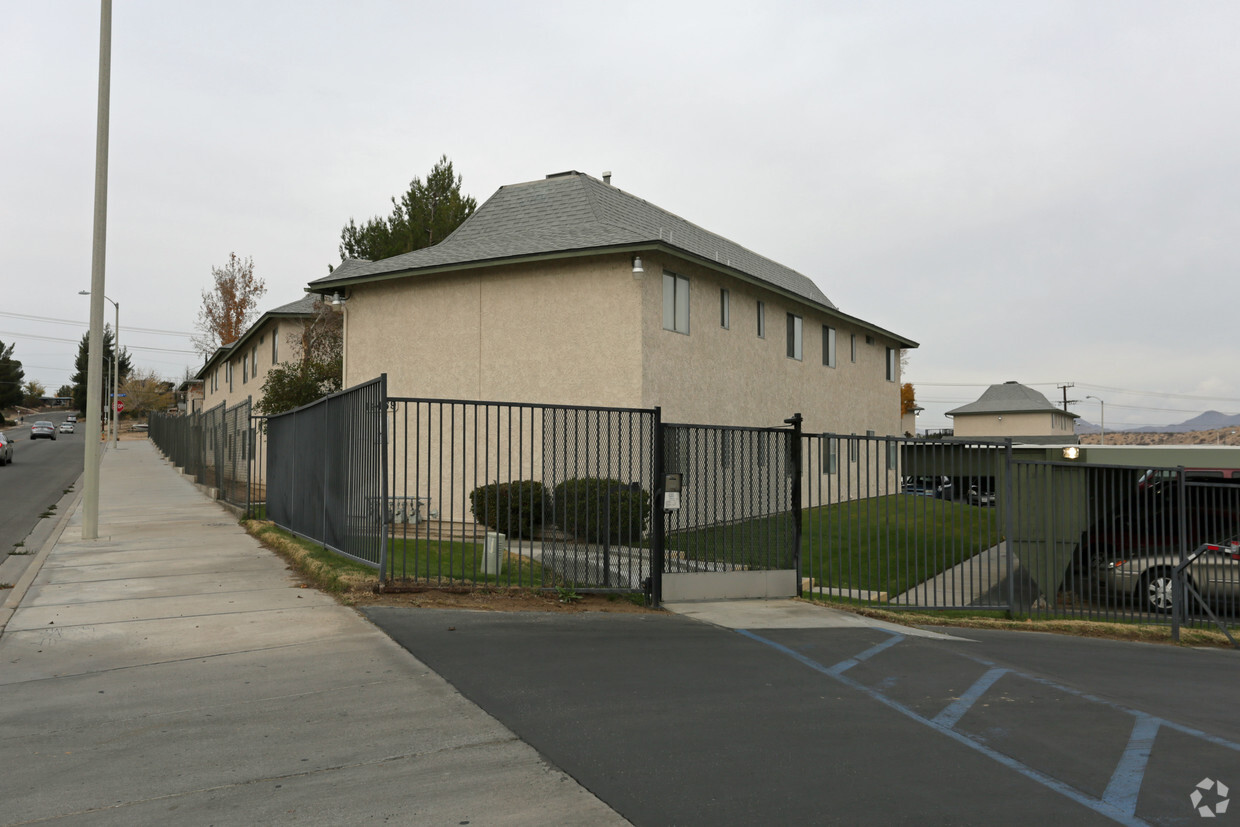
956, 710
1101, 806
1125, 784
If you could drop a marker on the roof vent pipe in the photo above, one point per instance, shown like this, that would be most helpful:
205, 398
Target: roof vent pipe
607, 177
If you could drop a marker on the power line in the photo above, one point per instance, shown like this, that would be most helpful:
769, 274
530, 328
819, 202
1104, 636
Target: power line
127, 346
51, 320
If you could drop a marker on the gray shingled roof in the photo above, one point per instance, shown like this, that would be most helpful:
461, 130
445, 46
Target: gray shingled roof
1010, 397
574, 212
301, 307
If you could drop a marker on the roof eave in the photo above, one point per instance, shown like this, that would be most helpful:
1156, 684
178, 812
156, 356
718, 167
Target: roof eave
326, 288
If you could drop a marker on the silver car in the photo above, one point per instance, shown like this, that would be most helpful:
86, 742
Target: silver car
42, 430
1214, 573
6, 449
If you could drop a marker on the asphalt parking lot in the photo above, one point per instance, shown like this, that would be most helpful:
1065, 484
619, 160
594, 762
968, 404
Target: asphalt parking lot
671, 720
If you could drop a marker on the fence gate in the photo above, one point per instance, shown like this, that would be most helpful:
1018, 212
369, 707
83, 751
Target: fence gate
736, 533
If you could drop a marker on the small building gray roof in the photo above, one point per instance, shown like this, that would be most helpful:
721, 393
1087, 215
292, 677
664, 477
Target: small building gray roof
574, 212
1009, 398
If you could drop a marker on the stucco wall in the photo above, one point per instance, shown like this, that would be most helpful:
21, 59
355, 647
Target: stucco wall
1048, 423
556, 332
731, 376
258, 363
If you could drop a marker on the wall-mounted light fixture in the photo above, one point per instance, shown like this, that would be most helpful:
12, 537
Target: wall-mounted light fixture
637, 266
337, 302
1071, 452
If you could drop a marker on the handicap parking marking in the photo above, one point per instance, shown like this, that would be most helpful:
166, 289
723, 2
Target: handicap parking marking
1113, 754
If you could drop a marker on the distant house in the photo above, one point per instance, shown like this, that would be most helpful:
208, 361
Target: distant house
567, 290
1014, 411
238, 370
190, 396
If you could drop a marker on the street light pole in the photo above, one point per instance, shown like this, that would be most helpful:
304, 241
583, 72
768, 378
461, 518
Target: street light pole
99, 234
1102, 416
116, 352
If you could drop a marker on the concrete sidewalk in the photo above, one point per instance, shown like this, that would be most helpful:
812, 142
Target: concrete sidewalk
171, 671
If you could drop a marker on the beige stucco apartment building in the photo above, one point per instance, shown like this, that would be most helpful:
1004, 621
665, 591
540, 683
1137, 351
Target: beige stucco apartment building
567, 290
237, 371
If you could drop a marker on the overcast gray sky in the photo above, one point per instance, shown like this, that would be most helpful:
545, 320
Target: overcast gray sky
1045, 192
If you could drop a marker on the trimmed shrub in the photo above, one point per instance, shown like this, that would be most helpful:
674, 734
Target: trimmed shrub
595, 509
514, 508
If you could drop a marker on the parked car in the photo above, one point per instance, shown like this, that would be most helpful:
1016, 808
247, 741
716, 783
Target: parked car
1214, 574
981, 496
929, 486
1149, 522
67, 427
42, 429
6, 449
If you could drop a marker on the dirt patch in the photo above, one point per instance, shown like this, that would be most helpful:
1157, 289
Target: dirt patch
496, 600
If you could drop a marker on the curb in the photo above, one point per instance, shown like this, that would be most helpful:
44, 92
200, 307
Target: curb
70, 502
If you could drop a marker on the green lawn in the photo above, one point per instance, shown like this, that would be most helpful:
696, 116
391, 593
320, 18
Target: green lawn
881, 544
451, 561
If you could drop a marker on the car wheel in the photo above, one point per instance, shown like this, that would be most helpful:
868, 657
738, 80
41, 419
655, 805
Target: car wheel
1157, 591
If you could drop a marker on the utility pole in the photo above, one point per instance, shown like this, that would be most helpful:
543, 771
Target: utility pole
1066, 401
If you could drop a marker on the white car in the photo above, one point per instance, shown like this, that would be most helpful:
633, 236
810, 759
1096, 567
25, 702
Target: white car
67, 427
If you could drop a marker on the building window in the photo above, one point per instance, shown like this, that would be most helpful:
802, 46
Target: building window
852, 448
794, 337
893, 455
254, 361
675, 303
274, 338
245, 368
828, 346
853, 345
725, 309
830, 455
761, 320
230, 377
892, 358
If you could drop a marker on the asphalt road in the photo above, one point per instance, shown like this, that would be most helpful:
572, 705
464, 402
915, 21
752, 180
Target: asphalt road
673, 721
40, 472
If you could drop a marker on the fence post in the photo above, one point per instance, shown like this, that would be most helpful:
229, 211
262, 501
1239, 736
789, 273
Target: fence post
795, 456
383, 476
1179, 594
657, 521
1009, 522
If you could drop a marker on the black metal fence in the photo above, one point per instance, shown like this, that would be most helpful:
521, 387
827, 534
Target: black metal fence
464, 493
1130, 544
905, 522
520, 495
736, 503
215, 447
325, 472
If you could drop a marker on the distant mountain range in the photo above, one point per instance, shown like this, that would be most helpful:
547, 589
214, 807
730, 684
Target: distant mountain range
1208, 421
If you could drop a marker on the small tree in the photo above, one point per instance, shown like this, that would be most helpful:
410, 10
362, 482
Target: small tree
908, 401
65, 391
11, 378
35, 393
290, 385
146, 392
230, 306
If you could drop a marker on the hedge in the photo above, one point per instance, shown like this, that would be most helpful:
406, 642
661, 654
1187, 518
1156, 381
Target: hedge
595, 509
513, 508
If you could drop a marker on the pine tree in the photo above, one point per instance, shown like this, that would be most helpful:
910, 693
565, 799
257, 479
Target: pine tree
426, 214
82, 364
11, 378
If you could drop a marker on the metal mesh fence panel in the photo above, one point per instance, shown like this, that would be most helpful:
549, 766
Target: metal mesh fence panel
904, 522
736, 499
325, 471
520, 495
